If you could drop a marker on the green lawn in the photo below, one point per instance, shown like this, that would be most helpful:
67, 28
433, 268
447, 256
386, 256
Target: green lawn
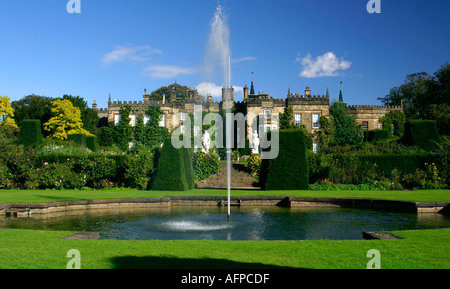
45, 249
36, 196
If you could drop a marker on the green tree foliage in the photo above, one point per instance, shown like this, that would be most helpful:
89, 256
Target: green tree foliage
65, 120
33, 107
347, 132
421, 93
326, 134
181, 92
441, 114
123, 132
149, 135
7, 123
89, 117
154, 134
287, 118
394, 121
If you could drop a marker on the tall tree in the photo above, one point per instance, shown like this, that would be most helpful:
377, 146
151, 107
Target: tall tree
181, 91
7, 123
421, 92
89, 117
65, 120
33, 107
347, 132
287, 118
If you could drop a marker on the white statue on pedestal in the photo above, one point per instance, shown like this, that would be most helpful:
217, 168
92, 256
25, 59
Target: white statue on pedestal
255, 143
206, 141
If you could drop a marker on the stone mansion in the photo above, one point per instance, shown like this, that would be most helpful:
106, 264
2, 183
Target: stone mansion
307, 108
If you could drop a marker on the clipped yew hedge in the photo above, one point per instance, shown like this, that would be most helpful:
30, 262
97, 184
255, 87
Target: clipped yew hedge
30, 132
422, 133
289, 171
174, 171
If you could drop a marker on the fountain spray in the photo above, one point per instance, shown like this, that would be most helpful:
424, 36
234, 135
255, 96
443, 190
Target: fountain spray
218, 56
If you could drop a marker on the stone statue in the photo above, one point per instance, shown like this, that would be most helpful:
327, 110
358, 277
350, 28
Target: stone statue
206, 141
255, 143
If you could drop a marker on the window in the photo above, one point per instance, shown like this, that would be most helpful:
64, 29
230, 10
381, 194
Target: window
315, 147
315, 121
162, 122
365, 125
132, 119
116, 119
146, 119
380, 125
267, 128
183, 116
298, 119
267, 114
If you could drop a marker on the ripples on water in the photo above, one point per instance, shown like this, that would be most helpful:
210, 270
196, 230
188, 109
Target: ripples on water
198, 223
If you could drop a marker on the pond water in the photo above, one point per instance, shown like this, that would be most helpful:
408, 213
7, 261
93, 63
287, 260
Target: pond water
247, 223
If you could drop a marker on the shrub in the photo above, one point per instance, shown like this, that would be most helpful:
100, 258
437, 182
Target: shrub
5, 176
54, 176
173, 172
289, 171
139, 168
422, 133
254, 164
30, 132
376, 135
427, 179
205, 165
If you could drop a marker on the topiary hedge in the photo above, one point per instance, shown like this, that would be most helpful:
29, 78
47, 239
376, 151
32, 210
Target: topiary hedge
289, 171
174, 170
77, 138
91, 143
376, 135
30, 132
422, 133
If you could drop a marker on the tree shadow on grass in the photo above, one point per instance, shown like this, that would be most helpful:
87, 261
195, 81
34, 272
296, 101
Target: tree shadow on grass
168, 262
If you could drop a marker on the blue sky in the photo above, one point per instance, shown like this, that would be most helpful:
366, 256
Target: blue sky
123, 47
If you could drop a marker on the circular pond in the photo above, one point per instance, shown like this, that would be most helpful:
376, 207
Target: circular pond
247, 223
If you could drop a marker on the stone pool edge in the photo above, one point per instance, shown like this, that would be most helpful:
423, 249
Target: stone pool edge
26, 209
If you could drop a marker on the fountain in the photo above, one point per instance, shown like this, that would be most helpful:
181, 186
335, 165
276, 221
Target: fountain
218, 57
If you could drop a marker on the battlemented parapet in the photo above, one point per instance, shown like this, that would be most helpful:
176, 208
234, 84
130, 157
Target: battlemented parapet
307, 108
369, 115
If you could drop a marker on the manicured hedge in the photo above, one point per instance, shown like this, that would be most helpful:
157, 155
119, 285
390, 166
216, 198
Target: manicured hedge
174, 170
422, 133
91, 143
289, 171
376, 135
77, 138
386, 163
30, 132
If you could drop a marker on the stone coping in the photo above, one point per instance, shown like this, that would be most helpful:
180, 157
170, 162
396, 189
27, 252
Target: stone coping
391, 205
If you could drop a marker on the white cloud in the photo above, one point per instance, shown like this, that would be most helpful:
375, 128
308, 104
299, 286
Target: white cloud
167, 71
206, 88
324, 65
242, 59
137, 53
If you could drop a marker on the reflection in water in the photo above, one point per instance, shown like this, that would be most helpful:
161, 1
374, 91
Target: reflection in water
248, 223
